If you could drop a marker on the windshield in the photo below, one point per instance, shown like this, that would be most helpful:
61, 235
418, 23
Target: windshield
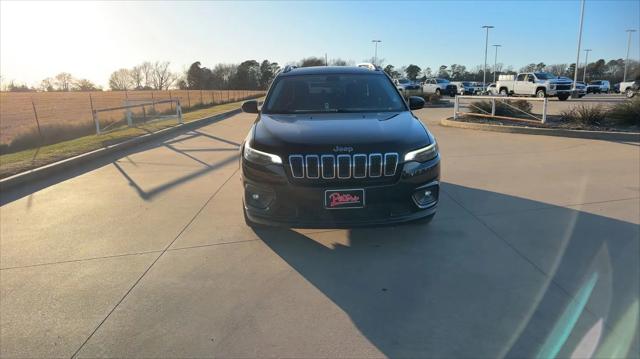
467, 84
404, 81
442, 81
333, 93
594, 83
545, 76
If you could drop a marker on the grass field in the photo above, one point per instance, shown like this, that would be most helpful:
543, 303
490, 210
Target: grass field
17, 162
55, 109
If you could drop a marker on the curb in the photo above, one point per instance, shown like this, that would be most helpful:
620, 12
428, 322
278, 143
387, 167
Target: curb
559, 132
68, 163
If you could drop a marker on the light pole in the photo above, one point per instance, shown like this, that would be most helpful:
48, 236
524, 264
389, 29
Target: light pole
586, 63
486, 46
375, 54
575, 72
495, 62
626, 62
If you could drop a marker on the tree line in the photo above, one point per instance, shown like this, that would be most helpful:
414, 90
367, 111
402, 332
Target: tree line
254, 75
612, 70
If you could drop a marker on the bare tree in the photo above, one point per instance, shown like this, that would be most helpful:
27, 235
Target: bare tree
120, 80
161, 76
137, 77
63, 81
146, 69
557, 69
47, 85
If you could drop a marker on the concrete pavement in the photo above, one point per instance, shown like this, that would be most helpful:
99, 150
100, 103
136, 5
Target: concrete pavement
534, 251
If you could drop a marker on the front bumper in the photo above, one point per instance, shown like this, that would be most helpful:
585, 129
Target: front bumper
302, 206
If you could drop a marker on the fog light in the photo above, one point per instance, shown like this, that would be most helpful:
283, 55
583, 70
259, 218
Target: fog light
425, 197
258, 197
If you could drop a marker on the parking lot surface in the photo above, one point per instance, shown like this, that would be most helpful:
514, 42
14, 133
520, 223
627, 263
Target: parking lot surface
534, 251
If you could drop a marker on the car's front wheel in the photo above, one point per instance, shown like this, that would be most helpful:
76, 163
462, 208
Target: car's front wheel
438, 92
541, 93
504, 92
629, 93
563, 97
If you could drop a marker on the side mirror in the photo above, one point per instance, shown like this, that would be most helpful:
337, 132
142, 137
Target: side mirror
250, 106
416, 103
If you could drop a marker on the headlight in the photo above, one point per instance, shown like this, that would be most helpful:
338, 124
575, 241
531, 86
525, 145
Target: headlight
423, 154
259, 157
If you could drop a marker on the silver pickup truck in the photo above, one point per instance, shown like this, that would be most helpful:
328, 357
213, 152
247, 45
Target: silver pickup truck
539, 84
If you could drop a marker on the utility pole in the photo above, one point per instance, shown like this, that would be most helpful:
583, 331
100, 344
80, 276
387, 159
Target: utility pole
626, 62
375, 54
486, 46
586, 63
575, 72
495, 62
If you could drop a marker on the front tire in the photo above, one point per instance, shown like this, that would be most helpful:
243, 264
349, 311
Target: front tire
504, 92
540, 93
563, 97
629, 93
438, 92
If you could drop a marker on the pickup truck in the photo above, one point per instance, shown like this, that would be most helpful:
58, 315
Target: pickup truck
408, 88
539, 84
439, 87
630, 88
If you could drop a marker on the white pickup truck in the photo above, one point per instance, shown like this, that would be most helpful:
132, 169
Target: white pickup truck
539, 84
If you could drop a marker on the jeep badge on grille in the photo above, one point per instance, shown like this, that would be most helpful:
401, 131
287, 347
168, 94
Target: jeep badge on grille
343, 149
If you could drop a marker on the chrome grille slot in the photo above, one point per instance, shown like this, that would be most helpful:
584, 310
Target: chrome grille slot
297, 166
390, 163
313, 166
359, 166
328, 166
375, 165
343, 166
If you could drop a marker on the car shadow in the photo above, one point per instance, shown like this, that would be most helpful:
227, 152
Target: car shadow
550, 282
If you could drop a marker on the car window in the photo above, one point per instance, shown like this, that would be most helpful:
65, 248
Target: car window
333, 93
521, 77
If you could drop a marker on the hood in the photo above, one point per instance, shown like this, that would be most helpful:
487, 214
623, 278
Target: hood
321, 133
560, 80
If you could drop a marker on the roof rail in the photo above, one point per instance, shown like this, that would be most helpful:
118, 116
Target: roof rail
289, 68
370, 66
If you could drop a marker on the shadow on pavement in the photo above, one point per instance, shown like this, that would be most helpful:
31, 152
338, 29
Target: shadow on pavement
168, 142
555, 282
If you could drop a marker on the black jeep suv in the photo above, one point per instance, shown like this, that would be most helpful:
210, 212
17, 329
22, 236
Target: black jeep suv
337, 147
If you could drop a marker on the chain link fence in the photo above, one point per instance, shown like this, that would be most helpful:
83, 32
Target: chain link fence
52, 115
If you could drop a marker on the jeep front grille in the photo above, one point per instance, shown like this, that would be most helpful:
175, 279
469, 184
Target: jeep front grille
343, 166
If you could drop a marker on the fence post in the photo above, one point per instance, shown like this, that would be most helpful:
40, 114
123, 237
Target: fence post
544, 110
211, 93
493, 107
153, 102
188, 99
129, 119
179, 112
170, 98
455, 107
35, 115
201, 100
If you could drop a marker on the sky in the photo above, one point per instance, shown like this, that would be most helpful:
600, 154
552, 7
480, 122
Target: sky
92, 39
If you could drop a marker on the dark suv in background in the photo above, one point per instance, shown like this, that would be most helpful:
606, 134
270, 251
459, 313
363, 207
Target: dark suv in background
337, 147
